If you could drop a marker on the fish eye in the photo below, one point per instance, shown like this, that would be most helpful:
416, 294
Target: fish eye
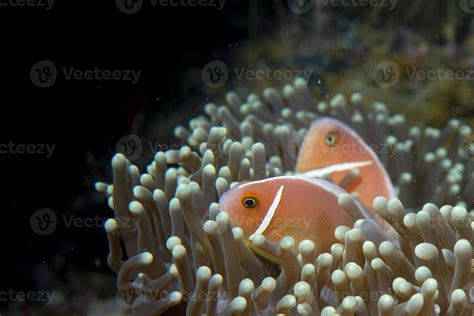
249, 202
330, 139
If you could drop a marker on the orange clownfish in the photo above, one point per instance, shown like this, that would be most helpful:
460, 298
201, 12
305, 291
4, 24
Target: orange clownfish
332, 147
301, 207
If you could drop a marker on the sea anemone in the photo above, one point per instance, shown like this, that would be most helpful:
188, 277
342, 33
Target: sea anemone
183, 255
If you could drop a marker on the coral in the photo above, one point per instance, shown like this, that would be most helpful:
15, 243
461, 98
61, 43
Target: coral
183, 254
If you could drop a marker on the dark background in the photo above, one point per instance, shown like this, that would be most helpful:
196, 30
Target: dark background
84, 119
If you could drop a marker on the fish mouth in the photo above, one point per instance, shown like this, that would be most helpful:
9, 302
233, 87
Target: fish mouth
344, 166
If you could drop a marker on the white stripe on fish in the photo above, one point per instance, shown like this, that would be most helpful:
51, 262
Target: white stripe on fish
270, 213
319, 173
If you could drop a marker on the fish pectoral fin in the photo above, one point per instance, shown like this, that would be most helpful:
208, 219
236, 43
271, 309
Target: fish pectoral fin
262, 253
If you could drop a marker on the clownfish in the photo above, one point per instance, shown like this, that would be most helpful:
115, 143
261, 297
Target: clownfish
301, 207
331, 147
304, 206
